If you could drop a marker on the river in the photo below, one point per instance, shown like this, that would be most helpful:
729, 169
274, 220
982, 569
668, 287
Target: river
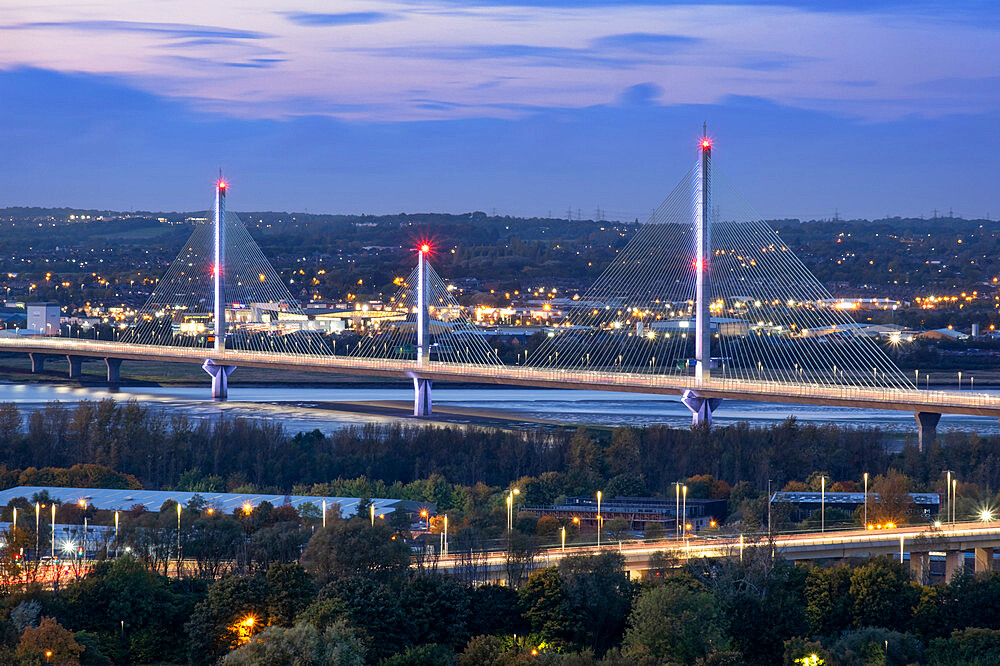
328, 409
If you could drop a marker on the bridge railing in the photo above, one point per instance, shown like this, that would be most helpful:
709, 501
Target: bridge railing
934, 400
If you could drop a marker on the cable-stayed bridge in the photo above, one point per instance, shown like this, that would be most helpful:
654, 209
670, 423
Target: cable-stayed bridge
705, 302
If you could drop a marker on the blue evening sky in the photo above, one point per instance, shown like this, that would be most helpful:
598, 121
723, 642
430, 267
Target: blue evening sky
527, 107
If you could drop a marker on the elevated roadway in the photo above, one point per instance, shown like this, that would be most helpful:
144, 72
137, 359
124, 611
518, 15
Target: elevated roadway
927, 405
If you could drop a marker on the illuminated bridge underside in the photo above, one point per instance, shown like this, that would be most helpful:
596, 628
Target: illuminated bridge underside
907, 400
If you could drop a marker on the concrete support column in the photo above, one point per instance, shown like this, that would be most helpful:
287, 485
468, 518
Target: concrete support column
114, 370
926, 428
920, 567
984, 559
37, 363
422, 403
701, 408
954, 562
75, 366
220, 378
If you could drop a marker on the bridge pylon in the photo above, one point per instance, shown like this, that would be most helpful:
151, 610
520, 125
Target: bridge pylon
422, 402
219, 372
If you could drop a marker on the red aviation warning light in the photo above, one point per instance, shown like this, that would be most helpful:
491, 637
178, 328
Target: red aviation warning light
698, 265
424, 248
215, 270
222, 185
706, 143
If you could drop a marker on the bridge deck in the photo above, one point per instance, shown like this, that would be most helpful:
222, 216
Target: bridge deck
945, 402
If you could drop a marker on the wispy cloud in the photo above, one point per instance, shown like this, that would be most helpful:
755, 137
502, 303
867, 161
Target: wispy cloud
166, 29
312, 19
481, 58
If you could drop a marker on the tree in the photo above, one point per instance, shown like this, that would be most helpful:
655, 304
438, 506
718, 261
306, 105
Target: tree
213, 629
678, 620
48, 643
546, 609
375, 609
354, 548
882, 594
875, 645
892, 498
493, 609
291, 590
599, 593
828, 602
436, 609
302, 645
966, 647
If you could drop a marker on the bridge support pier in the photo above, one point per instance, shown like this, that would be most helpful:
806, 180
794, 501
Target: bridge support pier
954, 562
701, 408
114, 370
37, 363
75, 366
220, 378
422, 402
920, 567
984, 559
926, 428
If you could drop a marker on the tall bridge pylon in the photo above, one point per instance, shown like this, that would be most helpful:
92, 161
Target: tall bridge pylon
707, 289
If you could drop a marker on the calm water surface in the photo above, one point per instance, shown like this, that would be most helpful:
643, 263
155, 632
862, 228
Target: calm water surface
324, 408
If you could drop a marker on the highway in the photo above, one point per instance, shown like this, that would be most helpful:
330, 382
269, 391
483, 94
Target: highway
940, 402
948, 538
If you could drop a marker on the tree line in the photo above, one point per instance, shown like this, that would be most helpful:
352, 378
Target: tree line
357, 595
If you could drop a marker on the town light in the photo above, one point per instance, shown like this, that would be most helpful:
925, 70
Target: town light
986, 514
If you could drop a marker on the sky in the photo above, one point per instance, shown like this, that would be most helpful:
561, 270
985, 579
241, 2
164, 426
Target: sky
522, 107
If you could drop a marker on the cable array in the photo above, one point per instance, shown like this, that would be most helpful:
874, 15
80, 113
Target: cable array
261, 314
453, 337
772, 320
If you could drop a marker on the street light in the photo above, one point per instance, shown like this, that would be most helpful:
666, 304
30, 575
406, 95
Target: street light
562, 530
822, 505
598, 518
684, 508
53, 530
178, 537
510, 507
866, 499
985, 514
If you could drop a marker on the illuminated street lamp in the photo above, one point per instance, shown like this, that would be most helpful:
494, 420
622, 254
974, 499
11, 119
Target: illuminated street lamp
510, 507
866, 499
599, 525
986, 514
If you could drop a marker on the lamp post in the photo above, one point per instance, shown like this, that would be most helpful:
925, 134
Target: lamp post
371, 511
446, 534
598, 518
822, 504
562, 531
53, 530
510, 507
684, 509
324, 513
38, 513
947, 497
178, 539
117, 542
954, 501
677, 510
866, 500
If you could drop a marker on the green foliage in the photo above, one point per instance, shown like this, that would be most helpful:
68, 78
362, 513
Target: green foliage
354, 547
290, 591
546, 608
966, 647
599, 594
829, 606
436, 608
375, 609
493, 609
423, 655
301, 645
874, 645
882, 594
677, 620
212, 630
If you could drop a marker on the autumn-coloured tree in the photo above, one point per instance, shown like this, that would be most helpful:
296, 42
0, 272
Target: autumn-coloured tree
48, 643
